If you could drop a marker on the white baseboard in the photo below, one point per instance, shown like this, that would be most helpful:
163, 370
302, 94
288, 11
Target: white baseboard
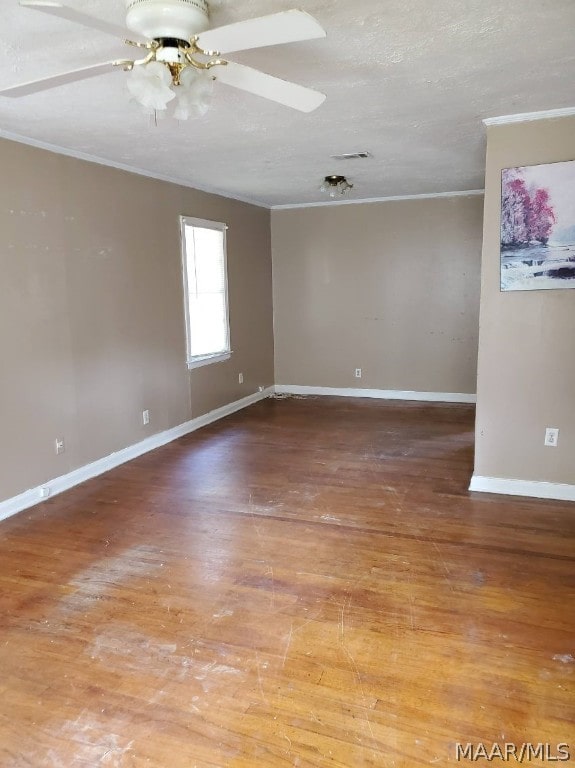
378, 394
534, 488
58, 485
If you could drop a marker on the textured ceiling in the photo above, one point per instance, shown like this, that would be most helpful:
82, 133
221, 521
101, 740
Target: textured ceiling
408, 80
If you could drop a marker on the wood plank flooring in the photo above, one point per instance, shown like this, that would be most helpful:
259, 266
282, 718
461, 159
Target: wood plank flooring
307, 583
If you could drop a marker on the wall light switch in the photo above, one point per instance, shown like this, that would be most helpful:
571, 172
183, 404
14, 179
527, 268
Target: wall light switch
551, 437
60, 445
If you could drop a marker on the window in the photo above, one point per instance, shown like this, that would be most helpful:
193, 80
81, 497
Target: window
205, 291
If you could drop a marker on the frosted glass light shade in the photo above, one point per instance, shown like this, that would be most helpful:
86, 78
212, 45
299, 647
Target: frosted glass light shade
194, 94
149, 85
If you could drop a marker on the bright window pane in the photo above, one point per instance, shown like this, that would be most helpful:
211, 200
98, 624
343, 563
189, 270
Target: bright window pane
209, 261
206, 287
207, 316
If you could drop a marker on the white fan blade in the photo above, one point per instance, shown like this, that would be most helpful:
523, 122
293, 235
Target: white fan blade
260, 84
279, 28
26, 89
71, 14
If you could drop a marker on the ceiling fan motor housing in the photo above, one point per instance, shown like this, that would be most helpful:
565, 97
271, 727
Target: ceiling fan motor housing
179, 19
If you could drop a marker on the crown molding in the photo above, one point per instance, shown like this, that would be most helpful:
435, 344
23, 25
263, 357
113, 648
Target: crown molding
527, 117
89, 158
428, 196
123, 167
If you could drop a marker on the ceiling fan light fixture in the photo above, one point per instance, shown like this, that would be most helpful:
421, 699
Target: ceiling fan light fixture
171, 70
335, 185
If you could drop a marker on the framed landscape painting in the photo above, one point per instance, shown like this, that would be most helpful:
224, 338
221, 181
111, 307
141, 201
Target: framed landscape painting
538, 227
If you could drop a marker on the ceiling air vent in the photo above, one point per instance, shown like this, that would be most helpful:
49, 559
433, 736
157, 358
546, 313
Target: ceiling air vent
353, 156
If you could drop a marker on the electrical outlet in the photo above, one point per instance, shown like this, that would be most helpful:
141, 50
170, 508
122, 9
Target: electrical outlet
145, 417
358, 373
551, 437
241, 378
60, 445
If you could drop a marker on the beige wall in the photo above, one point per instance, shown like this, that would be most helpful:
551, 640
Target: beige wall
526, 379
392, 288
91, 314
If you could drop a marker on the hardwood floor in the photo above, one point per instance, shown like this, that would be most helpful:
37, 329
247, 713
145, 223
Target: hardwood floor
306, 583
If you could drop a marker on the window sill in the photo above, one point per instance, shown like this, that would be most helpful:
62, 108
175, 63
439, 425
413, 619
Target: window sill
199, 362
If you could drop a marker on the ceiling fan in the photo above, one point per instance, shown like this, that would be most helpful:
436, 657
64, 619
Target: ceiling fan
182, 56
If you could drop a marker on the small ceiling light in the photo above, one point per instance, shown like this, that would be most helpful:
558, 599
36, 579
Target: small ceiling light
335, 185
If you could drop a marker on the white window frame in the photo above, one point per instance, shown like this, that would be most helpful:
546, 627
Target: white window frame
219, 357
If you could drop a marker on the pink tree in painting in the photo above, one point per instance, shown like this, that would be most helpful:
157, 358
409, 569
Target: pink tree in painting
541, 216
526, 215
515, 211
